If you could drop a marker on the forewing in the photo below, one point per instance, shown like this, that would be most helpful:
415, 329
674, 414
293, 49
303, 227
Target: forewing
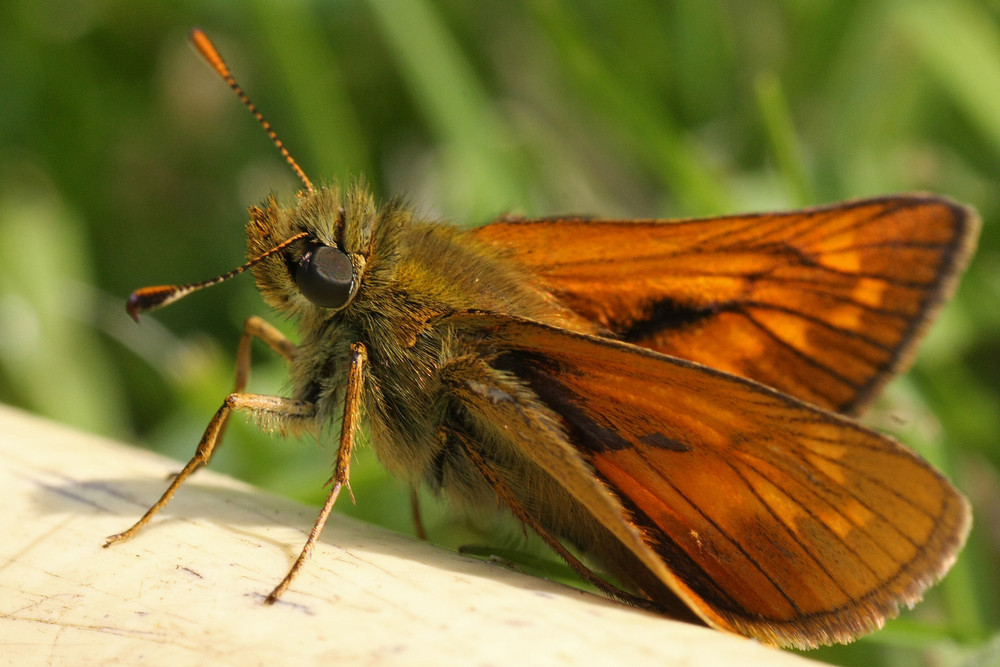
824, 304
774, 518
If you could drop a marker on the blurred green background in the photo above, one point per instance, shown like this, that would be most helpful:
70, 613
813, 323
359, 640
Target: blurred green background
125, 162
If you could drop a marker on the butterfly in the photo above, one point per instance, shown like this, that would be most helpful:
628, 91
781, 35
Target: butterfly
672, 399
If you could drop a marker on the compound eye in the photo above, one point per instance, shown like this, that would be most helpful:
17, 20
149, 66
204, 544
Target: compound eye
325, 276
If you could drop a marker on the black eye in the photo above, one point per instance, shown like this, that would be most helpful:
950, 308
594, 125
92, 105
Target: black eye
325, 276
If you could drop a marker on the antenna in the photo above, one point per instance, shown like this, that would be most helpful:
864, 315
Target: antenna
148, 298
204, 45
158, 296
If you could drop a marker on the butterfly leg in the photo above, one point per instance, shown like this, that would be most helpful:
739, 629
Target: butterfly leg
272, 412
255, 327
341, 468
418, 521
275, 411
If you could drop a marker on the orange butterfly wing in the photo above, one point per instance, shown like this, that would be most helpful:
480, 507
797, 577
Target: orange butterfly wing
767, 516
823, 304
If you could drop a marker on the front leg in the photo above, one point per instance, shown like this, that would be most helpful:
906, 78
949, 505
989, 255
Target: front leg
274, 412
270, 412
254, 327
341, 467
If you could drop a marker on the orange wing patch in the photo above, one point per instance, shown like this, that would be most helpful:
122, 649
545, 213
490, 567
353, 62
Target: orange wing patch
823, 304
775, 518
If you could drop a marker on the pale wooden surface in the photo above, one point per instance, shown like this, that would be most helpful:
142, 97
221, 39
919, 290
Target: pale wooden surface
188, 590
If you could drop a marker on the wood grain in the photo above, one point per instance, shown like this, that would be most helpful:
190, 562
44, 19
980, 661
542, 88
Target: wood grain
189, 589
